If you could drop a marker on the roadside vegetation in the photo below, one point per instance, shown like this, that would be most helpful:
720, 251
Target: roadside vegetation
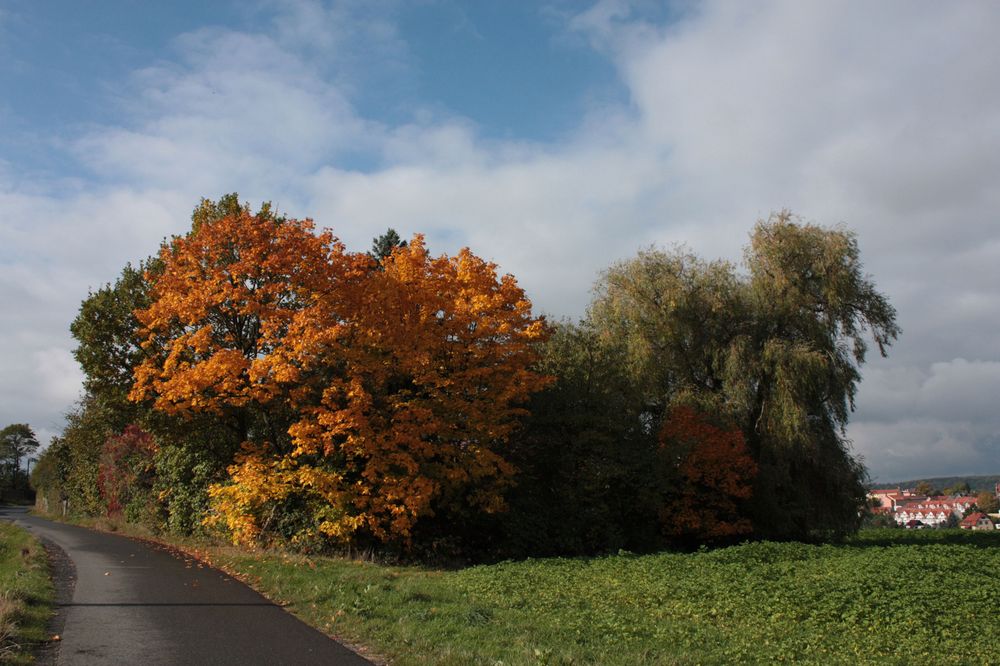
26, 594
257, 380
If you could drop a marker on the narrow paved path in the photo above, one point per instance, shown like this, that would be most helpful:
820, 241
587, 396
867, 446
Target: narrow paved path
128, 602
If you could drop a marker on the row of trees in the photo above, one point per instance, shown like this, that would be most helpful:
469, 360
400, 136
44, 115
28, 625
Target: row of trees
258, 378
771, 354
986, 501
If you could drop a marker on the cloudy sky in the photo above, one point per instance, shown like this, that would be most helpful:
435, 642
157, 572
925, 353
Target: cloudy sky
552, 138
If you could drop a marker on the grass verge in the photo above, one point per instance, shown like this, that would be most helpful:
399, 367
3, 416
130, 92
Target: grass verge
26, 594
887, 597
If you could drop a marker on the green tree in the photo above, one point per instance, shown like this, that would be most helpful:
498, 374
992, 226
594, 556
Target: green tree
50, 474
108, 341
88, 425
776, 350
382, 246
17, 442
586, 456
926, 489
958, 489
108, 348
228, 205
987, 502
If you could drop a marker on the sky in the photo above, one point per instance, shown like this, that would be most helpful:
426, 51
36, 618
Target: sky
553, 138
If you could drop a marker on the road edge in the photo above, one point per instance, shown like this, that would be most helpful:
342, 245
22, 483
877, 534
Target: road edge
62, 571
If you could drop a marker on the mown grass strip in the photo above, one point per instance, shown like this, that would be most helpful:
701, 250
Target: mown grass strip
26, 594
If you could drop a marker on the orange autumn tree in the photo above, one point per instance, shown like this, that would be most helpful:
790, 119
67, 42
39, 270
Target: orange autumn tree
221, 305
407, 393
221, 300
716, 473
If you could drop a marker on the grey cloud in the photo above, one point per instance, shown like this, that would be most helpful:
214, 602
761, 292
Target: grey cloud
937, 419
910, 449
957, 390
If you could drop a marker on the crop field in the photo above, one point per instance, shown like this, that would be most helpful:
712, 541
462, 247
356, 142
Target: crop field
887, 596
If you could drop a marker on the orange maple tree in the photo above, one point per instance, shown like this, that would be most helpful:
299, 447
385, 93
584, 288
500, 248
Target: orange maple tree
406, 392
403, 378
221, 305
716, 473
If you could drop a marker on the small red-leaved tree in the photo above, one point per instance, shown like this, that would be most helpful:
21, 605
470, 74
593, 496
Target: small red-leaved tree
126, 472
715, 476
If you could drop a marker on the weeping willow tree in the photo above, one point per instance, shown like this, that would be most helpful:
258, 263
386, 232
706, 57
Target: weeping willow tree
774, 350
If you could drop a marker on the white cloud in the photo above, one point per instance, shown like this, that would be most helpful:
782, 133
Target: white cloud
882, 116
238, 112
232, 111
552, 218
59, 374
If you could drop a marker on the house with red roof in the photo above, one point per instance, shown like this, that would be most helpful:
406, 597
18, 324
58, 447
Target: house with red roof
977, 521
888, 498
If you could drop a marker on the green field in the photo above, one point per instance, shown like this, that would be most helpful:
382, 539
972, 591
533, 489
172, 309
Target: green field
929, 597
26, 594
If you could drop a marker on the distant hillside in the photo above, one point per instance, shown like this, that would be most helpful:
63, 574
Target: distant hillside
976, 483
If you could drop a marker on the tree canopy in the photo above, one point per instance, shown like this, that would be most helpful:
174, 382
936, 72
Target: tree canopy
988, 502
927, 489
258, 377
775, 350
385, 393
17, 442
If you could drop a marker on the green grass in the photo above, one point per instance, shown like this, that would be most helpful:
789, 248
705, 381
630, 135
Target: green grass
929, 597
26, 594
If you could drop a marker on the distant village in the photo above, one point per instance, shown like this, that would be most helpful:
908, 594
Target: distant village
923, 507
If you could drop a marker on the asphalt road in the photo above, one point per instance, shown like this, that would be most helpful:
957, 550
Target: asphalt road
123, 601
